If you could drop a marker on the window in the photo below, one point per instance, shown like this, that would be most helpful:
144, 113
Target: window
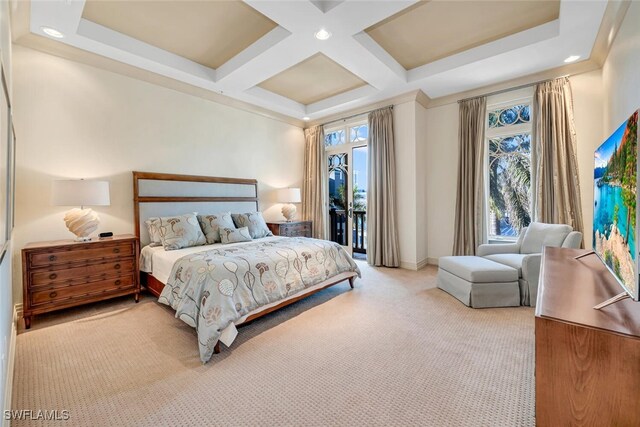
508, 138
357, 133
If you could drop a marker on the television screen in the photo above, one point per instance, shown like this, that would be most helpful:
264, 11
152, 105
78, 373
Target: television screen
615, 195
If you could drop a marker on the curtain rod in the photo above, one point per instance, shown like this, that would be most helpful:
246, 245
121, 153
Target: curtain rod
344, 119
498, 92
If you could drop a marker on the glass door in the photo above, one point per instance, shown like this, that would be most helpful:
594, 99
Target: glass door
347, 163
359, 199
339, 203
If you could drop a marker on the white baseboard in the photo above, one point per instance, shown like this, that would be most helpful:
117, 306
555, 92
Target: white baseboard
414, 265
432, 261
8, 385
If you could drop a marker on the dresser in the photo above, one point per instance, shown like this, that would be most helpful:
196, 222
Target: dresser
587, 360
291, 229
65, 273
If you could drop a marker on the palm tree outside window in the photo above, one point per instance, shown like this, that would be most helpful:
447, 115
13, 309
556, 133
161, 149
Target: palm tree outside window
508, 138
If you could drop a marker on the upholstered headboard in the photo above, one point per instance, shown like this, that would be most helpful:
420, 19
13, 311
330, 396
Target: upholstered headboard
163, 194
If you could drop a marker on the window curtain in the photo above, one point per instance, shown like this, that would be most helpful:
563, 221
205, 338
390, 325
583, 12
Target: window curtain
556, 185
314, 185
470, 224
382, 228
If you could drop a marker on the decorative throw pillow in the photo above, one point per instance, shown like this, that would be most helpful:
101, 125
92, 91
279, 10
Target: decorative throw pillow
212, 224
539, 235
235, 235
153, 227
181, 231
254, 222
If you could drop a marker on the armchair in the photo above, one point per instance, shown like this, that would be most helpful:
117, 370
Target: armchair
525, 255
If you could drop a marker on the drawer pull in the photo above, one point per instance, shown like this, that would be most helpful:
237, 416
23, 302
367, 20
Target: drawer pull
118, 282
117, 266
52, 276
52, 257
116, 251
53, 294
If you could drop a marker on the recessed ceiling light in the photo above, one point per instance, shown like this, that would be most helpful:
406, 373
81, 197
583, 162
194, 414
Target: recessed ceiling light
322, 34
52, 32
572, 58
306, 119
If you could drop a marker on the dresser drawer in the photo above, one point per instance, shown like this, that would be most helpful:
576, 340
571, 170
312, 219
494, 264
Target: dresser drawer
79, 254
82, 274
52, 296
295, 230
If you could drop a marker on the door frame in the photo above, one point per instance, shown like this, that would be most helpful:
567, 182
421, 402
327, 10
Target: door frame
347, 147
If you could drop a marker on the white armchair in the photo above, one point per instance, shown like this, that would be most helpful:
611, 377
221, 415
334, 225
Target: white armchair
526, 254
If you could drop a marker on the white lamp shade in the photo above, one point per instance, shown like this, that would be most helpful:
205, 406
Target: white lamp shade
289, 195
80, 193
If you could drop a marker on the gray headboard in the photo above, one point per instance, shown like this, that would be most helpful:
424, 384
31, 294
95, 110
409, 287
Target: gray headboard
163, 194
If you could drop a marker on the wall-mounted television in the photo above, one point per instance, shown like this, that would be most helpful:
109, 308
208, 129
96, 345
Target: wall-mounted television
615, 191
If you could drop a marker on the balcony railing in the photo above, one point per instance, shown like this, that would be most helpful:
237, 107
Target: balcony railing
338, 229
360, 232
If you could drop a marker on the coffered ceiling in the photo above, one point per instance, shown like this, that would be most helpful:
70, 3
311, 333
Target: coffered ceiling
207, 32
312, 80
433, 30
264, 52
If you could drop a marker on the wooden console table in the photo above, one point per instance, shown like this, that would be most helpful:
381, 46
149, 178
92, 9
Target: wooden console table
587, 361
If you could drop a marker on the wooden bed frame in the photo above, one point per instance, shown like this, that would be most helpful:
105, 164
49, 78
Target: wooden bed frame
153, 285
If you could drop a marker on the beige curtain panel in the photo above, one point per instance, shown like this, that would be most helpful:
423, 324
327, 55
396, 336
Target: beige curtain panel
470, 224
314, 185
556, 186
382, 228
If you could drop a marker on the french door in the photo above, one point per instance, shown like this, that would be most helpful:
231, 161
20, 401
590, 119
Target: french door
347, 163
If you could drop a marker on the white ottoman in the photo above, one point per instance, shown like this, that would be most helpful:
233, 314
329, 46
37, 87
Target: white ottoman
479, 282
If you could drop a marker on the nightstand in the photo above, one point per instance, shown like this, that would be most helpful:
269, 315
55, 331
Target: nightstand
65, 273
291, 229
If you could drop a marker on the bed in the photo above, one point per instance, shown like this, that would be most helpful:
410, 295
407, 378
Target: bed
217, 287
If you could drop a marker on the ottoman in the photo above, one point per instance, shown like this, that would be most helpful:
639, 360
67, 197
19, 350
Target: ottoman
478, 282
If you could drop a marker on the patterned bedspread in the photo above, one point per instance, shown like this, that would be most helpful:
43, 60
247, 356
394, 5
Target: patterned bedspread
213, 288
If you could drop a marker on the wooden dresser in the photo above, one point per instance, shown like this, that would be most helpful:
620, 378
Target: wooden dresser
587, 361
65, 273
291, 229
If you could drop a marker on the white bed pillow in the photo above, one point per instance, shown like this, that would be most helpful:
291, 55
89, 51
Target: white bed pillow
235, 235
254, 222
153, 228
181, 231
212, 224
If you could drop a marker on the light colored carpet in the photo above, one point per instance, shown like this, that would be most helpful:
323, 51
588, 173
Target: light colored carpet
393, 351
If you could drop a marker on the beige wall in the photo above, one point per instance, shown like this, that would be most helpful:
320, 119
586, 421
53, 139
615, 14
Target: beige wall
404, 127
76, 121
422, 178
621, 73
442, 167
588, 113
410, 125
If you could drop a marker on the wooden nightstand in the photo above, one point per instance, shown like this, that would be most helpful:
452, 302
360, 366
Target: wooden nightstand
291, 229
65, 273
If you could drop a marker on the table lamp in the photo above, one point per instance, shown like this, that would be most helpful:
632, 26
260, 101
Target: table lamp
289, 196
84, 221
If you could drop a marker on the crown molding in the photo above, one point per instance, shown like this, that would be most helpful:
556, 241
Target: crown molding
565, 70
414, 96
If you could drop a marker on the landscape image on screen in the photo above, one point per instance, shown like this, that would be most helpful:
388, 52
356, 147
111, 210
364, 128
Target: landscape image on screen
614, 218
